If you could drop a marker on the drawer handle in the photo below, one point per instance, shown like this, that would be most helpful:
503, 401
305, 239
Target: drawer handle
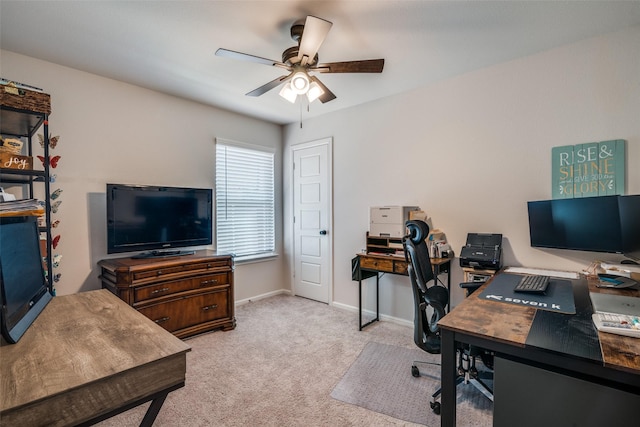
158, 273
210, 307
161, 320
207, 282
159, 290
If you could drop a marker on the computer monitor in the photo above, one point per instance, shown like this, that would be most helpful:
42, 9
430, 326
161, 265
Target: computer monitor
23, 287
630, 224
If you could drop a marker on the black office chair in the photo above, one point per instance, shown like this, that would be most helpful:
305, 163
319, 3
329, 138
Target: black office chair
426, 330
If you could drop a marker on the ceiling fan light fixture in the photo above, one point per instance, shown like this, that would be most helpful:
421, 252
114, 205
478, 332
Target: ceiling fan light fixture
287, 93
300, 83
314, 92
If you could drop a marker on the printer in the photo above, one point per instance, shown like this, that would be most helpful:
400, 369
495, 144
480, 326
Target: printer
482, 251
388, 221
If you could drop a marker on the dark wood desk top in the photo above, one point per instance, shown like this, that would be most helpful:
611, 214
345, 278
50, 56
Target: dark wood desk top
510, 324
86, 354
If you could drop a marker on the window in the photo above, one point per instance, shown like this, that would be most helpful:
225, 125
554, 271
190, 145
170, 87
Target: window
245, 206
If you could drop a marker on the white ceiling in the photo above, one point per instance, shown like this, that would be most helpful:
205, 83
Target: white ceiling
169, 46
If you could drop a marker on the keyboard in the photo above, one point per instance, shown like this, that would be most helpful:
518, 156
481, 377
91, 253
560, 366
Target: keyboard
620, 324
533, 284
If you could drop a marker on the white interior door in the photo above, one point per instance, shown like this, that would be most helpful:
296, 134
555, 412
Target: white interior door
312, 220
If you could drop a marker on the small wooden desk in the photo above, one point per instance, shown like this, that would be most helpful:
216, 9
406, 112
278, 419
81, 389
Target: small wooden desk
87, 357
395, 265
504, 328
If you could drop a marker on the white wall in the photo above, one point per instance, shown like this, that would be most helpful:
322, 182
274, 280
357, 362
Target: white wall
472, 150
114, 132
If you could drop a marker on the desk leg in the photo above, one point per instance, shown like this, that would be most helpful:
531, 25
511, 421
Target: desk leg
360, 325
377, 296
153, 410
360, 301
449, 289
448, 379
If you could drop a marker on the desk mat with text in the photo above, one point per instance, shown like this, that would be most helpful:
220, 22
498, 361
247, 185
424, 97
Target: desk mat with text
558, 298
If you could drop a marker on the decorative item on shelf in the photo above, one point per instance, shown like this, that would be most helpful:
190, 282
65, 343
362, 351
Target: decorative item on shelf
56, 260
15, 161
56, 278
55, 241
53, 161
53, 140
55, 206
22, 207
11, 145
56, 194
6, 197
24, 97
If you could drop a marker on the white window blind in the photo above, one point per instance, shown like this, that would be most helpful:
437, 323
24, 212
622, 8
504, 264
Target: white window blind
245, 206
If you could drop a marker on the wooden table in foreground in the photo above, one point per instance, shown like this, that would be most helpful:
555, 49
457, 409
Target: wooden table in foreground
504, 328
87, 357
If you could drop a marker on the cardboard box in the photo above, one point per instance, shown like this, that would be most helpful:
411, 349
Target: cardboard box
15, 161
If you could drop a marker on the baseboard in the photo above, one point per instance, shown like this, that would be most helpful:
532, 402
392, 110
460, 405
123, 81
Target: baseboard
263, 296
370, 314
346, 307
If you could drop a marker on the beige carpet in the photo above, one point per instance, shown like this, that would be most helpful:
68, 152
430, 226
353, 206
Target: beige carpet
277, 368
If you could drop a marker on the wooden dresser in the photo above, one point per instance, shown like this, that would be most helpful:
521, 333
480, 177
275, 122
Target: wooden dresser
186, 295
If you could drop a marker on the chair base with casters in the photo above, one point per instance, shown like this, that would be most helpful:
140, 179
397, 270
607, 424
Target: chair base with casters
467, 374
467, 371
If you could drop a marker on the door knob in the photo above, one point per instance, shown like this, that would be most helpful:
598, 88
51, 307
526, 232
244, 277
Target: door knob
323, 232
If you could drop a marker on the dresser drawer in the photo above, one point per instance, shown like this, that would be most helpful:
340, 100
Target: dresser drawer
211, 280
189, 311
193, 268
377, 264
143, 293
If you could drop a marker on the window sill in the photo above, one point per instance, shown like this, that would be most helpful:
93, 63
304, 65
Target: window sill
250, 259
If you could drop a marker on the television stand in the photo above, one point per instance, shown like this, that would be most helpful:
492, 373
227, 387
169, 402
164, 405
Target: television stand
162, 254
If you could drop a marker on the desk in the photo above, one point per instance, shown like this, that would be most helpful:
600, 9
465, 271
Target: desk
504, 328
395, 265
87, 357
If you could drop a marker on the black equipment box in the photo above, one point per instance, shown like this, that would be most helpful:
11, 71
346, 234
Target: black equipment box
482, 251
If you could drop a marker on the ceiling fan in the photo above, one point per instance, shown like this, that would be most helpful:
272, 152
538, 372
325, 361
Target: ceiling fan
301, 60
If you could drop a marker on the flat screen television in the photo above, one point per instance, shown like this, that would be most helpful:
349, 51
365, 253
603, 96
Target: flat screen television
599, 224
23, 286
157, 219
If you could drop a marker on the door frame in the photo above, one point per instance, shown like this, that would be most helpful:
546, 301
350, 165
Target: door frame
328, 141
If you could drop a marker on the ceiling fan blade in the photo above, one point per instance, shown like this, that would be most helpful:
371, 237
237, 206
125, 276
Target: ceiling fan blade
267, 87
314, 33
365, 66
327, 95
251, 58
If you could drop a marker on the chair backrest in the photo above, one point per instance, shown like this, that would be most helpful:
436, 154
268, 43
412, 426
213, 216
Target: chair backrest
426, 331
417, 252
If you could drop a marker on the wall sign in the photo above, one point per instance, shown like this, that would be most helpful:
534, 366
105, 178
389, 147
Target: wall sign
586, 170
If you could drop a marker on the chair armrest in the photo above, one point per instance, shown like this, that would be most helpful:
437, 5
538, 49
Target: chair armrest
471, 286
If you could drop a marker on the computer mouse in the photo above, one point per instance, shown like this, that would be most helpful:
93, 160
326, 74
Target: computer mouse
629, 261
